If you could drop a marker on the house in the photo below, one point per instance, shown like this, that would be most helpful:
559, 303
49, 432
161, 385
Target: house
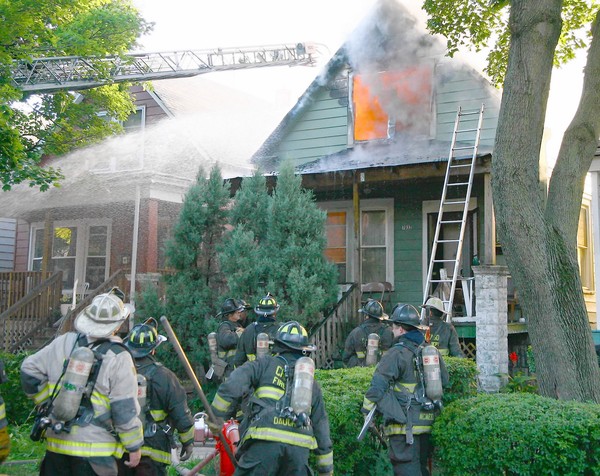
120, 199
371, 137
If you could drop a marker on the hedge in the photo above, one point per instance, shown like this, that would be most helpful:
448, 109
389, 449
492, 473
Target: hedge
518, 433
343, 392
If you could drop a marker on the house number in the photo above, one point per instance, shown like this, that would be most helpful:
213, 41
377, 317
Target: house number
407, 227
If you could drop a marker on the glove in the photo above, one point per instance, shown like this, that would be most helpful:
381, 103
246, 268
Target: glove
215, 426
239, 331
186, 451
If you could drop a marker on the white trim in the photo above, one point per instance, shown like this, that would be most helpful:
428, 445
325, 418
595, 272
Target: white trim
433, 206
595, 218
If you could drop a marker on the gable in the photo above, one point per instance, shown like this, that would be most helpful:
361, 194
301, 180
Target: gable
382, 100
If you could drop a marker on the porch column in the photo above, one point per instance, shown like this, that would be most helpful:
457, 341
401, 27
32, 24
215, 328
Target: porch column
152, 237
492, 326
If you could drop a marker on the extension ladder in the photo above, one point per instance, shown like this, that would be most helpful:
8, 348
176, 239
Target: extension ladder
456, 193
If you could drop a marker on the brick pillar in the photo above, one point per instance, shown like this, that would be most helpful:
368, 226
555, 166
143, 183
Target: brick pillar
491, 326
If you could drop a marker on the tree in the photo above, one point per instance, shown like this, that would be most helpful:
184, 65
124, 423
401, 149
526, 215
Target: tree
241, 250
193, 289
299, 274
34, 126
537, 226
277, 245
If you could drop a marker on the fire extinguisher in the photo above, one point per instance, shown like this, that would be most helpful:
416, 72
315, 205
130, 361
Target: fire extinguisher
230, 435
433, 376
67, 402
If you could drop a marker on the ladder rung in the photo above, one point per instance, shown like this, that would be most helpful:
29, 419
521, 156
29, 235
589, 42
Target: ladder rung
448, 241
460, 165
463, 148
444, 260
444, 222
470, 113
455, 203
457, 184
467, 130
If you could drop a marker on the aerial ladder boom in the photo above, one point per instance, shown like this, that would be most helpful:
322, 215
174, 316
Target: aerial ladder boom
52, 74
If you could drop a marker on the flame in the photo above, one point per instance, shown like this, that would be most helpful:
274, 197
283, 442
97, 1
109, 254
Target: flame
400, 99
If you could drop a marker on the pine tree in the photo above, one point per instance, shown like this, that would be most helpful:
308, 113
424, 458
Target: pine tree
299, 275
240, 253
193, 288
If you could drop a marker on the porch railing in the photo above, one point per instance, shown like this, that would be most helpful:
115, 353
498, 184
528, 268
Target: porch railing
34, 311
14, 285
330, 334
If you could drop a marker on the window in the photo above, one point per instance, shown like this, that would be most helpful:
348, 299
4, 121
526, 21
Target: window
374, 246
79, 249
336, 252
584, 249
124, 154
376, 238
392, 101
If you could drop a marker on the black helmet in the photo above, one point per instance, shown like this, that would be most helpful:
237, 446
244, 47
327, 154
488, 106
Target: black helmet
406, 314
373, 308
267, 306
232, 305
143, 339
293, 335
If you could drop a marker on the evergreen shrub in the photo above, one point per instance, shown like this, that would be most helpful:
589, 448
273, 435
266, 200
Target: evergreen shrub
343, 391
18, 406
518, 433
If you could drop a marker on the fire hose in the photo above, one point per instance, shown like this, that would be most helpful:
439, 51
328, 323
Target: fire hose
190, 372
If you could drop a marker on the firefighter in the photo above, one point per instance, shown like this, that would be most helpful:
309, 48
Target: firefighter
442, 334
266, 312
398, 388
375, 322
234, 312
100, 393
278, 437
164, 405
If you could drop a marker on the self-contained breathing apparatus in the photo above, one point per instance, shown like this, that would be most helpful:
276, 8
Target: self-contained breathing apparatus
70, 402
296, 403
218, 365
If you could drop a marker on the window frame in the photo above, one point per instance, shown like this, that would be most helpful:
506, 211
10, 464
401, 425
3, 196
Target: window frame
587, 275
368, 204
81, 246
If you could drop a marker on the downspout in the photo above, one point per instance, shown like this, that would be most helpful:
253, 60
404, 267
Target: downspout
134, 248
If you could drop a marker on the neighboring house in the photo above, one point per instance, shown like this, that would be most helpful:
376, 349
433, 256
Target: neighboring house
119, 200
371, 137
8, 231
588, 243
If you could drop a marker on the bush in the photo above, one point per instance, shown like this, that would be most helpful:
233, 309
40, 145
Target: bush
524, 434
18, 406
343, 391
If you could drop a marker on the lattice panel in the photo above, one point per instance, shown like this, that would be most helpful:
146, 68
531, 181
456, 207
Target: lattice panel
469, 349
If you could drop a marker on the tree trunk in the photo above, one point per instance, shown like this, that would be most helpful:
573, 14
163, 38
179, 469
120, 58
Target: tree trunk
538, 236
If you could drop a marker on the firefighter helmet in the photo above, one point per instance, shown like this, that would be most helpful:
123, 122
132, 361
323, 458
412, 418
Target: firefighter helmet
373, 308
232, 305
143, 339
406, 314
293, 335
435, 303
267, 306
104, 316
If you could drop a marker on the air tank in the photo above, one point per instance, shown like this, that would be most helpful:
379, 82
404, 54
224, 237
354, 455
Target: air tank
304, 374
372, 349
262, 345
432, 373
67, 402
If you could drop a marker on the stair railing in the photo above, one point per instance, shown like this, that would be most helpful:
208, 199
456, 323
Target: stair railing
330, 334
33, 312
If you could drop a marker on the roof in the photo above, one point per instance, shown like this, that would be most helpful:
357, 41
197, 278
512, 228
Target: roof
403, 150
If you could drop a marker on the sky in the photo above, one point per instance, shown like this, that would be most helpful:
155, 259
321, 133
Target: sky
192, 24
